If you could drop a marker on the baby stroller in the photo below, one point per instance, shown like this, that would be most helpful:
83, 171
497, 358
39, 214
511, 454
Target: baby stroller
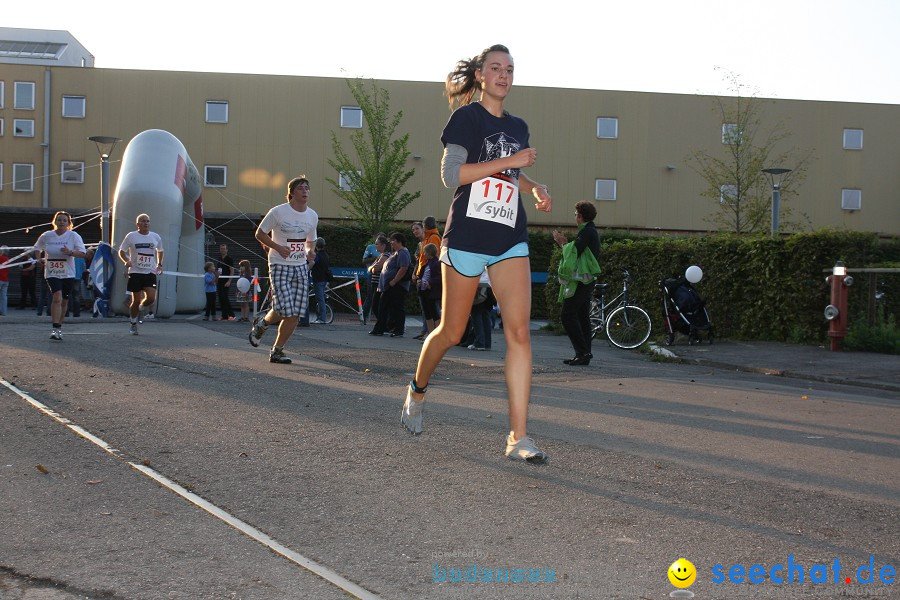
684, 311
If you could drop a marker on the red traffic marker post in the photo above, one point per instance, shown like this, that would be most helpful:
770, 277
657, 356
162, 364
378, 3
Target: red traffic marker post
836, 312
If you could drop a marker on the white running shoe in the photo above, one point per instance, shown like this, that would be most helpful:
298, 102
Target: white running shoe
525, 450
56, 334
412, 416
257, 330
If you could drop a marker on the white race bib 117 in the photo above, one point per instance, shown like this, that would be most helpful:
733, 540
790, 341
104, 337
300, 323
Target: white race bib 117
494, 199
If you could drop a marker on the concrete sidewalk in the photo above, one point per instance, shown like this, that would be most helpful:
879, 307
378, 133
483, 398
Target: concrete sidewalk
867, 369
816, 363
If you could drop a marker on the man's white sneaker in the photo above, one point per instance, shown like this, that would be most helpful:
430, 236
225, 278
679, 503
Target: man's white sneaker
412, 416
525, 450
318, 322
56, 334
257, 330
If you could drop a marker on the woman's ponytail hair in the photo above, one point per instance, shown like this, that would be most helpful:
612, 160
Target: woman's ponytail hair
461, 84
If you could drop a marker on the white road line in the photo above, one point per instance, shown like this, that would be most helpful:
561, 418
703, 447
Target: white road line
248, 530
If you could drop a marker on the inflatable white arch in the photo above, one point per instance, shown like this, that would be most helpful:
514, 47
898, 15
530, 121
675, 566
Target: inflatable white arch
157, 177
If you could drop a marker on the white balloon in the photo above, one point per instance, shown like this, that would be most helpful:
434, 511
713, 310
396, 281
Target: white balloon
693, 274
243, 284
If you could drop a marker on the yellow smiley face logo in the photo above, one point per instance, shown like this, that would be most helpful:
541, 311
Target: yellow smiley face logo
682, 573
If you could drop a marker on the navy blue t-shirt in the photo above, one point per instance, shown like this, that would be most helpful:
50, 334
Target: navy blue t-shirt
486, 217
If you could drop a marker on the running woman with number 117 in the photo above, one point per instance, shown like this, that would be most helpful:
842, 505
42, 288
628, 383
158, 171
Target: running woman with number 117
484, 149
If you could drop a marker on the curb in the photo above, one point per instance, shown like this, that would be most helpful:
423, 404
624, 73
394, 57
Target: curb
783, 373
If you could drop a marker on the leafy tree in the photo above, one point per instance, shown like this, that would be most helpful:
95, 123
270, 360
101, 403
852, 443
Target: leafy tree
373, 182
736, 183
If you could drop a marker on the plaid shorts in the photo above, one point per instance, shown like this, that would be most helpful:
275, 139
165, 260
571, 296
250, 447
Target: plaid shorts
290, 289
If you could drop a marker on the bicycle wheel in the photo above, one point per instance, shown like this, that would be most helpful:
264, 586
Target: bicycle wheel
329, 314
596, 321
628, 327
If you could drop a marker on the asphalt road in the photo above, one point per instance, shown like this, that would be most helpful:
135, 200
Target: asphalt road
651, 461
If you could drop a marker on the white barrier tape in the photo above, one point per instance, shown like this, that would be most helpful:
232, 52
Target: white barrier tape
179, 274
10, 264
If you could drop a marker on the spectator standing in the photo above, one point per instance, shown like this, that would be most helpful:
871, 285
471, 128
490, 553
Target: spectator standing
383, 247
577, 271
370, 255
223, 283
26, 281
481, 314
4, 279
75, 297
427, 233
394, 284
418, 231
321, 275
43, 290
210, 277
430, 287
245, 271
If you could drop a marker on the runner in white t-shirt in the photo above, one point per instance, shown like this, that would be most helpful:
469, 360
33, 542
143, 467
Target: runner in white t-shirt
60, 246
142, 253
289, 232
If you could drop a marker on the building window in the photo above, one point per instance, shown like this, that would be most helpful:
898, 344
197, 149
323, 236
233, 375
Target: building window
605, 189
215, 175
2, 94
345, 182
351, 117
730, 133
853, 139
23, 127
2, 127
216, 111
24, 95
608, 128
73, 107
23, 177
727, 194
32, 50
72, 171
851, 199
1, 177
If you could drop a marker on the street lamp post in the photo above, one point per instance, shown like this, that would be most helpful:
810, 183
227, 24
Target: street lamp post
105, 145
776, 176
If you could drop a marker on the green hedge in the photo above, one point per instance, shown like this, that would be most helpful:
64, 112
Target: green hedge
755, 287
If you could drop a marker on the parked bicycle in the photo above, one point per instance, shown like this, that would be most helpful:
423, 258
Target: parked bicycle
626, 325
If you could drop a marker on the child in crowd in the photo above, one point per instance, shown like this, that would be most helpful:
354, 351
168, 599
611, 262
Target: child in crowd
430, 287
209, 286
244, 297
